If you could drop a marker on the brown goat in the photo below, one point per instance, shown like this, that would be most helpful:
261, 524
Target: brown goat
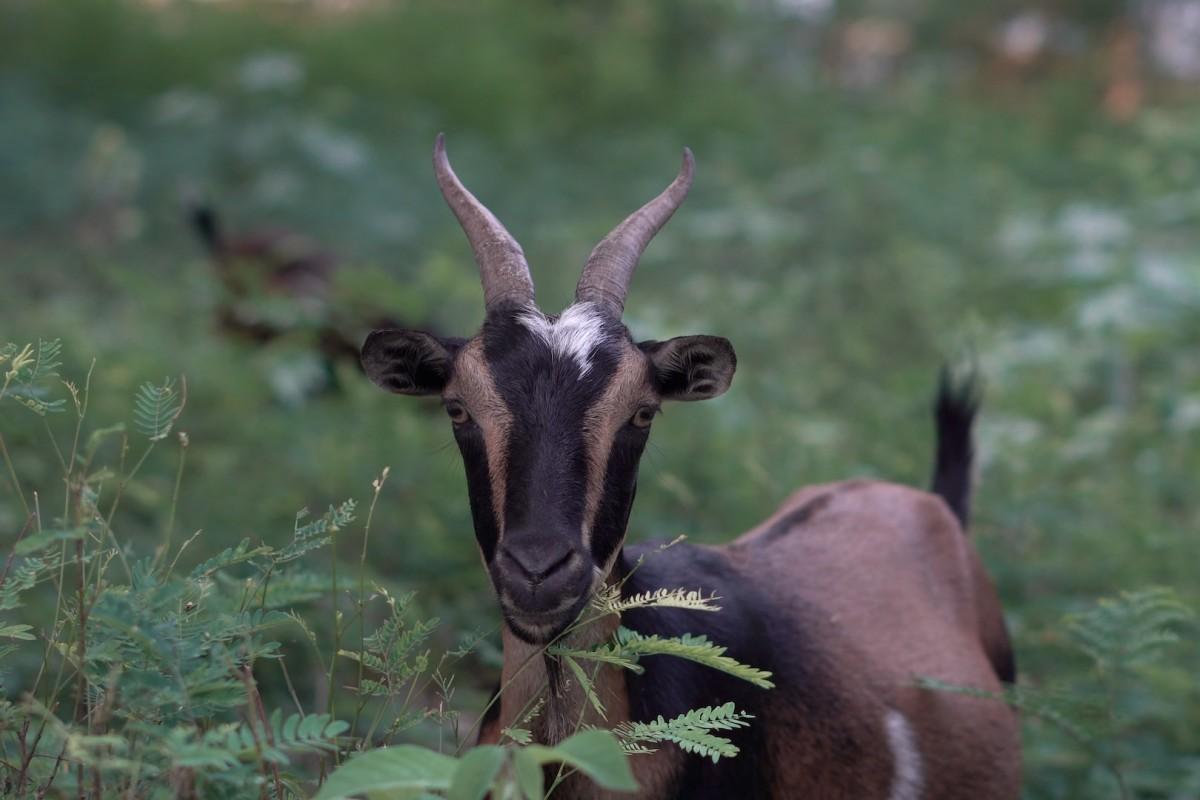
847, 594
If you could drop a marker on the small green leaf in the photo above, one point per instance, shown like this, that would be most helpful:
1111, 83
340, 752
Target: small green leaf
406, 767
530, 779
42, 539
17, 632
518, 735
595, 753
476, 771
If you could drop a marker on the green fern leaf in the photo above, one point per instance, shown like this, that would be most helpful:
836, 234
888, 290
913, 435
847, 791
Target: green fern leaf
316, 534
28, 369
1130, 630
691, 731
156, 408
694, 648
48, 360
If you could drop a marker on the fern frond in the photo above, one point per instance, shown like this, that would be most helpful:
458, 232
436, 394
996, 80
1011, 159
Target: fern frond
28, 572
694, 648
1130, 630
28, 368
693, 731
393, 649
16, 632
609, 600
315, 733
47, 362
156, 408
517, 735
226, 745
628, 646
316, 534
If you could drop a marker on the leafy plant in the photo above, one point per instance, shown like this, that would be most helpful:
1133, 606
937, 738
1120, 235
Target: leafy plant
28, 368
692, 731
156, 408
507, 772
1123, 636
151, 674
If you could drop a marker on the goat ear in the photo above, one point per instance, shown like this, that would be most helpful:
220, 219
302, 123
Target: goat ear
691, 367
408, 362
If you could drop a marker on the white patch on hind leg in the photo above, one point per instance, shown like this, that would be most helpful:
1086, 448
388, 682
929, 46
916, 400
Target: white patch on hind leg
907, 777
576, 333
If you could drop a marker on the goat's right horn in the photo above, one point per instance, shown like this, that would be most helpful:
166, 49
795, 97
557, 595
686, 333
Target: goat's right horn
503, 270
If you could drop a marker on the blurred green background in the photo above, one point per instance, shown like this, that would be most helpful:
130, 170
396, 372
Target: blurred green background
882, 187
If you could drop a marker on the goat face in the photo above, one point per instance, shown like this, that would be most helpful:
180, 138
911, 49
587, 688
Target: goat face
551, 415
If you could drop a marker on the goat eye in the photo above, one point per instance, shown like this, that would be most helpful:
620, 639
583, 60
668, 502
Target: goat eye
644, 416
457, 412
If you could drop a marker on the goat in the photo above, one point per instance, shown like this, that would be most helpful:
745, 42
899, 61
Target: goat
846, 593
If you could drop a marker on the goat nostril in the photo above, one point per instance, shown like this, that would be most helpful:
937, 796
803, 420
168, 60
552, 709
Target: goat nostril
535, 569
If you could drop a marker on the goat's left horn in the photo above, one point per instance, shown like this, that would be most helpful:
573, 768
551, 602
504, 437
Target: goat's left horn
503, 269
609, 269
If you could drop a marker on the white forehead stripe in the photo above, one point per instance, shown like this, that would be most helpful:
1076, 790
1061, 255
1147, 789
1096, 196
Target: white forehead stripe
576, 333
907, 778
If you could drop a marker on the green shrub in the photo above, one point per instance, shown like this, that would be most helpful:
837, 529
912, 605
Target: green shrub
149, 684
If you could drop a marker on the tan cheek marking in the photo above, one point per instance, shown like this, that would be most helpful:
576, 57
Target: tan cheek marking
474, 386
627, 390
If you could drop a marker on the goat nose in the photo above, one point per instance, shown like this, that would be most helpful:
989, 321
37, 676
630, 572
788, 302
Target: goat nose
537, 563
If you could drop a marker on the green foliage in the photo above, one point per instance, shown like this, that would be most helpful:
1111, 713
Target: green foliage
157, 671
1125, 637
396, 769
1130, 630
317, 533
27, 572
506, 772
628, 646
156, 408
150, 684
227, 746
596, 754
392, 651
27, 369
692, 731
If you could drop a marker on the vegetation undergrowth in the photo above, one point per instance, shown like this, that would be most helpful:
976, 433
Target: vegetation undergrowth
150, 673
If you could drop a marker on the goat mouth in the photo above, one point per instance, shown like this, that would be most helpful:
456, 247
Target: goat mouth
541, 627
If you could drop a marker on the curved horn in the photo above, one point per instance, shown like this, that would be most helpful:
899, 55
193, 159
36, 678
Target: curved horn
609, 269
503, 269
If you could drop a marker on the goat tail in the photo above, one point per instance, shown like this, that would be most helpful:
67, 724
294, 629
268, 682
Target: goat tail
203, 219
954, 412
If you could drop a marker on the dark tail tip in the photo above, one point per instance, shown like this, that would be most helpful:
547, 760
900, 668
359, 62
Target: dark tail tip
954, 413
204, 220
